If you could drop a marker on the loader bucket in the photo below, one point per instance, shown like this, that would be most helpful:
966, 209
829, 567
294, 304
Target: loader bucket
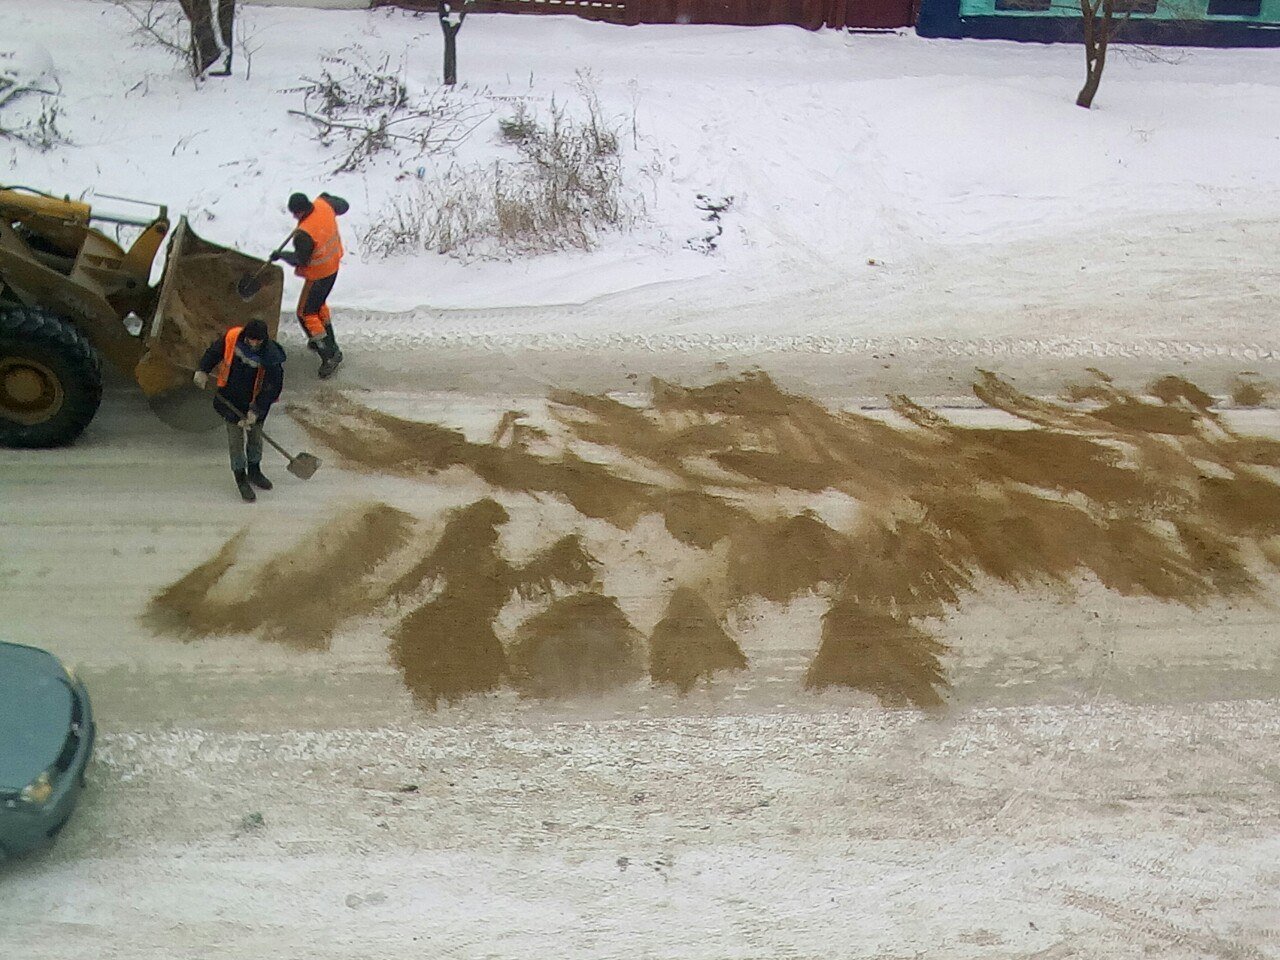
197, 302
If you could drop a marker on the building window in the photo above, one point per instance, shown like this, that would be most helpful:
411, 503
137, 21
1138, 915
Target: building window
1026, 6
1136, 6
1235, 8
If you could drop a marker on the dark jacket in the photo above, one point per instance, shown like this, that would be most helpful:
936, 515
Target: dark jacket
244, 370
303, 245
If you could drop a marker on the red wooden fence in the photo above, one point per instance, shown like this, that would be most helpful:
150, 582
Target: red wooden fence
812, 14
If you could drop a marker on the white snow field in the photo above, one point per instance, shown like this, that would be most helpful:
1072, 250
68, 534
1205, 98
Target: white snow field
1101, 780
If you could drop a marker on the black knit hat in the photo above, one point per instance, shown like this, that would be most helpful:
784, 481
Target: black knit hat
298, 203
255, 330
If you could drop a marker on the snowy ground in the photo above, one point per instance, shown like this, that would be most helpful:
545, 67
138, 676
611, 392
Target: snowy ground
1148, 216
1102, 782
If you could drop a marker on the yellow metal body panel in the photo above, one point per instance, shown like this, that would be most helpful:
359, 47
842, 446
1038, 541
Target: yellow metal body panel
15, 204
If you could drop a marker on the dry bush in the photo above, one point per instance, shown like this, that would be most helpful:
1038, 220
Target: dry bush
29, 102
366, 108
565, 187
38, 130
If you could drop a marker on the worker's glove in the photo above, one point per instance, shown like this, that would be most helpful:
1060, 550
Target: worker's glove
250, 419
276, 255
201, 379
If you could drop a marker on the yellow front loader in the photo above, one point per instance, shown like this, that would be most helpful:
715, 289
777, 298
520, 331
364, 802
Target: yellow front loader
71, 296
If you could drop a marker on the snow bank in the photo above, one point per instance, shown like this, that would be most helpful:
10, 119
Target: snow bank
855, 163
25, 63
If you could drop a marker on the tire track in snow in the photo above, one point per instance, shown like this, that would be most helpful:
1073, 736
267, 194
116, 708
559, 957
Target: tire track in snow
398, 335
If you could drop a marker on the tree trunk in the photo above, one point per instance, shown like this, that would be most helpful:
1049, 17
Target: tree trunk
450, 27
204, 39
450, 51
226, 26
1097, 33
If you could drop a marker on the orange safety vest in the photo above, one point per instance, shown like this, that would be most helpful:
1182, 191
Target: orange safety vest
228, 355
321, 225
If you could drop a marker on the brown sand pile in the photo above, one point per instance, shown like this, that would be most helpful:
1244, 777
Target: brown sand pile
580, 644
1245, 393
1172, 389
467, 548
1181, 405
593, 489
877, 577
1133, 414
870, 650
688, 643
300, 596
367, 439
663, 439
614, 424
781, 558
446, 649
1156, 499
182, 608
699, 519
305, 593
1217, 558
1244, 504
565, 563
1253, 451
753, 395
1002, 395
1050, 460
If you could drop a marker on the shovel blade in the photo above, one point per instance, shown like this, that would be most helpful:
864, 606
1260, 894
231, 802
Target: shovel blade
248, 286
304, 466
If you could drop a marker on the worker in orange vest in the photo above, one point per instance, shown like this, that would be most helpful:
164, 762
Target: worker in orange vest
317, 253
248, 368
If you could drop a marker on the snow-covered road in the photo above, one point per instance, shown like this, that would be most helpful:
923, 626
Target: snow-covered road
1055, 831
1102, 784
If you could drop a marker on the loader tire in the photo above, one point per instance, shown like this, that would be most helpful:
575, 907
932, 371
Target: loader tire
50, 379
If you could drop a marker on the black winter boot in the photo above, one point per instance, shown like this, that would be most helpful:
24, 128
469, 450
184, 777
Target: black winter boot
330, 355
256, 478
329, 363
246, 491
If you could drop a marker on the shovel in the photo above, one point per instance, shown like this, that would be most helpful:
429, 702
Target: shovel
303, 466
249, 285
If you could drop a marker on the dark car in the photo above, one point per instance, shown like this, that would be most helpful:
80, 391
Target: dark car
46, 738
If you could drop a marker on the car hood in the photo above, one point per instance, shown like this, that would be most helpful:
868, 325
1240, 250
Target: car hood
35, 713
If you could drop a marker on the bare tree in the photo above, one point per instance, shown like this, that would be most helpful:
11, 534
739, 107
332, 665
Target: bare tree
1100, 23
451, 16
40, 131
366, 108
